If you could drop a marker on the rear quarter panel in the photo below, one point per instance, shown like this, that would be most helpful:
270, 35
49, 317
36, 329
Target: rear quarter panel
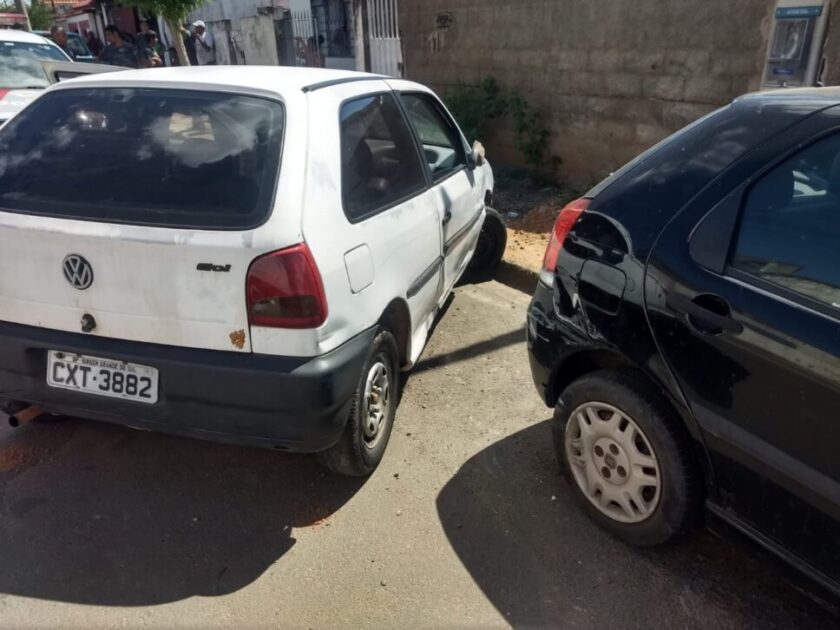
599, 297
631, 209
626, 217
388, 250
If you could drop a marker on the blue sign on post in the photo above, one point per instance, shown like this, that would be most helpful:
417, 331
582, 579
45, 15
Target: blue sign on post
798, 12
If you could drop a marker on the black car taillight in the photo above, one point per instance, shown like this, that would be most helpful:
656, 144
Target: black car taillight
565, 221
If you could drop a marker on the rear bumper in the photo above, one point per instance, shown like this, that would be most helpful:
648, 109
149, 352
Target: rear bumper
289, 403
542, 341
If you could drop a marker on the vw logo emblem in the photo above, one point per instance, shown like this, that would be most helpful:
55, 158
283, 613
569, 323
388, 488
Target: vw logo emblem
77, 271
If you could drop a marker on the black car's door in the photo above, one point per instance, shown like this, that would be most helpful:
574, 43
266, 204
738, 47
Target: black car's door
743, 294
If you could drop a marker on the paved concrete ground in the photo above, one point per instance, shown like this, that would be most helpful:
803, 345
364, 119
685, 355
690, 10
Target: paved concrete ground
467, 522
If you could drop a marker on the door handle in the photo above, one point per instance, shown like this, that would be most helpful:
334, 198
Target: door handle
706, 313
447, 216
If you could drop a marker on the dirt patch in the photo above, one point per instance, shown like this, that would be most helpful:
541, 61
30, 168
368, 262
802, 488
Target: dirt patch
530, 211
539, 220
526, 249
13, 457
18, 458
516, 195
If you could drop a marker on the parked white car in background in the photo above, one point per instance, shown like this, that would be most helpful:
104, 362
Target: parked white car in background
263, 251
21, 76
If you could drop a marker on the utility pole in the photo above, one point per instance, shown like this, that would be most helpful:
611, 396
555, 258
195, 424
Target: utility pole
21, 8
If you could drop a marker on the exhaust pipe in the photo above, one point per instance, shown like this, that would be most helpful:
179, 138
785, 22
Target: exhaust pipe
25, 415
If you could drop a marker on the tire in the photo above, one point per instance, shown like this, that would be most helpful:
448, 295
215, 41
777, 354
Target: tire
359, 450
629, 459
490, 248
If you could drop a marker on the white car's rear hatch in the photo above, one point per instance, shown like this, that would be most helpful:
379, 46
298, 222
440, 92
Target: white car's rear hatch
137, 207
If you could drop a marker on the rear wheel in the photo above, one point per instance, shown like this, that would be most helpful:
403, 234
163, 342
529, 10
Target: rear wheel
368, 429
629, 460
490, 248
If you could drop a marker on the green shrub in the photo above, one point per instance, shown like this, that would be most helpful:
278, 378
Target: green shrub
476, 106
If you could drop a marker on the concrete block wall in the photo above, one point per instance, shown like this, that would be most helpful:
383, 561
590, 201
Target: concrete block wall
217, 10
612, 77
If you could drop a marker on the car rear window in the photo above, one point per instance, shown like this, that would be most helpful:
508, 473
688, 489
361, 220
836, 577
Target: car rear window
175, 158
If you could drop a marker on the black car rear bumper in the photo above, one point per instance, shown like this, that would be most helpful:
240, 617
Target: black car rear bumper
544, 342
289, 403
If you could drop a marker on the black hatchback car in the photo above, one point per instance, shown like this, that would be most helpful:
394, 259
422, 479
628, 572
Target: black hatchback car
686, 327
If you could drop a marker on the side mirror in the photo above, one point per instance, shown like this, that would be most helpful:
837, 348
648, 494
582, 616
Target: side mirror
478, 153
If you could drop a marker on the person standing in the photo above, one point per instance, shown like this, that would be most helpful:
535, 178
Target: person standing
188, 33
205, 45
149, 56
118, 52
59, 36
93, 43
145, 33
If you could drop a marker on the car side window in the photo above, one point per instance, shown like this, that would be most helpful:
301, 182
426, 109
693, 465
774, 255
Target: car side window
380, 164
789, 233
76, 46
441, 140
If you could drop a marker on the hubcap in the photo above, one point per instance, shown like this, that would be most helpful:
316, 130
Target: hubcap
376, 404
612, 462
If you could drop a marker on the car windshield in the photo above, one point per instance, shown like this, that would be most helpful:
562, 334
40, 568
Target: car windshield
31, 49
19, 67
159, 157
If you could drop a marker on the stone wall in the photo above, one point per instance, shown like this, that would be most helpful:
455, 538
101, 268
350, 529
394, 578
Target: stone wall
243, 29
612, 77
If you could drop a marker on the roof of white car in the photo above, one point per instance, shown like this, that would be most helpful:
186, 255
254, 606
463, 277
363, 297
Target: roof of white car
14, 35
280, 79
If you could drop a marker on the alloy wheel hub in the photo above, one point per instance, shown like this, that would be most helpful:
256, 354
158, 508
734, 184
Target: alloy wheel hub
612, 462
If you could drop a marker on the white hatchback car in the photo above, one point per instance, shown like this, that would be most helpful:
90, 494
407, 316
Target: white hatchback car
243, 254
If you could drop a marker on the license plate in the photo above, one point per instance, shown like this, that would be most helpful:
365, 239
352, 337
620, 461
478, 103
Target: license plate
102, 377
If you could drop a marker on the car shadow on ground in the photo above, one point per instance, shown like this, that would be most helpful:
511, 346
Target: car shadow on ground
512, 520
97, 514
470, 352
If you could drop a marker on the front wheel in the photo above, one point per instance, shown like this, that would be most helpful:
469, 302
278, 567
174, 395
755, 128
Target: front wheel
629, 459
362, 445
490, 248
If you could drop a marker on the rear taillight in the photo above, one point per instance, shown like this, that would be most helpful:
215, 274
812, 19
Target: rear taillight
284, 290
3, 93
565, 220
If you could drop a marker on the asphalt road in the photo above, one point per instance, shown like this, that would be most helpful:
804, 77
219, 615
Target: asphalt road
467, 522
